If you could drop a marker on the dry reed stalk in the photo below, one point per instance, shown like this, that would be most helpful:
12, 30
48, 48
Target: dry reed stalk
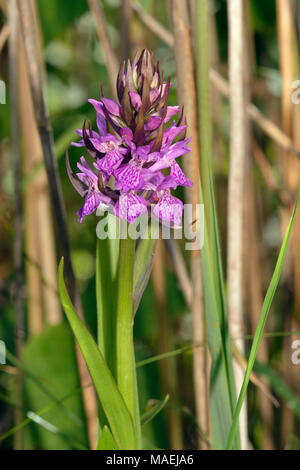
187, 96
186, 289
237, 171
125, 29
52, 308
265, 167
46, 136
180, 270
45, 133
3, 6
253, 280
295, 183
153, 25
290, 170
110, 57
38, 227
269, 175
32, 152
18, 213
167, 367
269, 127
221, 84
251, 251
4, 33
48, 263
218, 143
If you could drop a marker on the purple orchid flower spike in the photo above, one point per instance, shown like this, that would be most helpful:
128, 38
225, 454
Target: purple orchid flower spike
133, 150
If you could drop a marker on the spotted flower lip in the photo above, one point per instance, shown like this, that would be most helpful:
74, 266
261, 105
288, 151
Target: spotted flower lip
133, 152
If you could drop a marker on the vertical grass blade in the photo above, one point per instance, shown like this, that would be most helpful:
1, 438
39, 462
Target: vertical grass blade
261, 324
222, 386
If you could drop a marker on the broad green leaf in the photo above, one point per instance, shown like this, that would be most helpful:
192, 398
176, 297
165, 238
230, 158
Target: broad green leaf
260, 326
142, 268
150, 414
106, 441
106, 290
117, 414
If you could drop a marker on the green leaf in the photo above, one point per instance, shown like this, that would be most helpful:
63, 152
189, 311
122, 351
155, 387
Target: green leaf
117, 414
261, 324
106, 289
150, 414
222, 385
106, 441
142, 268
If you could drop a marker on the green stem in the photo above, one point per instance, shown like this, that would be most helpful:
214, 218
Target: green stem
126, 376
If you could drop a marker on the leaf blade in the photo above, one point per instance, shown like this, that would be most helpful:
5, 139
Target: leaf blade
261, 323
110, 397
106, 441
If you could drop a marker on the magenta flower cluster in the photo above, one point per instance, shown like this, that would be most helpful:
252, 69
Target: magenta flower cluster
134, 149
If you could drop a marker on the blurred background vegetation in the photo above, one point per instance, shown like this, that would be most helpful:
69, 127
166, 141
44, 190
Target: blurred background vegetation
74, 65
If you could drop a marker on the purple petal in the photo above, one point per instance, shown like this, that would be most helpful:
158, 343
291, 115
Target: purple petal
129, 177
111, 106
169, 209
98, 106
171, 111
130, 206
105, 176
80, 132
127, 136
87, 175
135, 100
101, 124
78, 144
153, 95
81, 142
179, 176
110, 162
91, 203
170, 134
157, 178
167, 183
143, 151
107, 143
153, 123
